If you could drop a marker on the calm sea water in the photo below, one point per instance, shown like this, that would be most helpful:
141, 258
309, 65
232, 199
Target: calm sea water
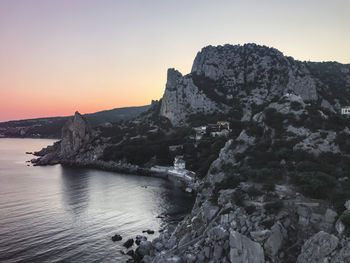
60, 214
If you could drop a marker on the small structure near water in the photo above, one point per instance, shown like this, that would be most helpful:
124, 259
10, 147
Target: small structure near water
179, 163
178, 171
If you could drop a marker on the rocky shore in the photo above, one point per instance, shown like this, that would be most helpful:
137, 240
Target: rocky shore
75, 149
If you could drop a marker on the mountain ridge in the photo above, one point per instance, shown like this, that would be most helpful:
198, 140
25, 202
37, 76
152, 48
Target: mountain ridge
249, 74
45, 127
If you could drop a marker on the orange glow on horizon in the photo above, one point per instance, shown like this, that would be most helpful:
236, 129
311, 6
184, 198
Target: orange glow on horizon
57, 57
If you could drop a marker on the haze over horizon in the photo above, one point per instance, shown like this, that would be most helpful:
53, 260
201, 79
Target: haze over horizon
57, 57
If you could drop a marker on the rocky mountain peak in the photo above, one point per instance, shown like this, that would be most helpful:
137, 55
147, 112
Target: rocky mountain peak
224, 77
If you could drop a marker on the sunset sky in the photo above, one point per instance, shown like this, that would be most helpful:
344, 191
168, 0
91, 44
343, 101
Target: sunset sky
65, 55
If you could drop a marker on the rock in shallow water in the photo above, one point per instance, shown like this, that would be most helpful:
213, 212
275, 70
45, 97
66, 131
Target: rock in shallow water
116, 237
139, 239
129, 243
148, 231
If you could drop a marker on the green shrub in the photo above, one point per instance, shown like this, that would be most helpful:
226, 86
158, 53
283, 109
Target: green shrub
250, 209
274, 119
296, 106
316, 184
273, 207
253, 191
345, 219
268, 187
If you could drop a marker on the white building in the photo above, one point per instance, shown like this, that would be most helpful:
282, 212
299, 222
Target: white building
179, 163
200, 131
345, 110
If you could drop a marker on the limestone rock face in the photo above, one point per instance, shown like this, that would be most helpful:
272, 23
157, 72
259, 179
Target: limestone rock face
255, 66
318, 248
182, 98
225, 77
75, 133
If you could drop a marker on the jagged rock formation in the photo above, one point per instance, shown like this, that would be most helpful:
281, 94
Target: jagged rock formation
75, 133
226, 77
182, 98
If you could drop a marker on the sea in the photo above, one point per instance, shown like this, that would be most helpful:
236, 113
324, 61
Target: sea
66, 214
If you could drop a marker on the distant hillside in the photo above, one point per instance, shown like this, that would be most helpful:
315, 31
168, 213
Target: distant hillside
51, 127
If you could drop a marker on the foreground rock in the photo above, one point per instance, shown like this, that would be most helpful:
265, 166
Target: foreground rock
242, 249
116, 237
318, 248
129, 243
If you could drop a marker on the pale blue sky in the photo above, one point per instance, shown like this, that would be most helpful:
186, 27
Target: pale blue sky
108, 54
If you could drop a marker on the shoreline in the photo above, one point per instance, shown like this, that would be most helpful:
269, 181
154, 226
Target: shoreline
189, 187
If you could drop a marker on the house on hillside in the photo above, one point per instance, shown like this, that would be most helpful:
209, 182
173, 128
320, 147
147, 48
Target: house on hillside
223, 125
221, 128
200, 131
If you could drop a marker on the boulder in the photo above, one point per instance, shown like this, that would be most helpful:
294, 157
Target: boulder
131, 253
158, 246
190, 258
139, 239
218, 233
261, 235
144, 248
209, 211
347, 205
339, 226
147, 259
244, 250
275, 241
218, 251
343, 255
148, 231
318, 248
304, 215
129, 243
330, 216
116, 237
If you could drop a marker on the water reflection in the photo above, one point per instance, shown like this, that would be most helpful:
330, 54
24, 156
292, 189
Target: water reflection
75, 189
174, 203
72, 213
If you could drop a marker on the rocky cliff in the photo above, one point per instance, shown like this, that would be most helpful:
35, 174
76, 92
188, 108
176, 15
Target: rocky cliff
229, 76
182, 98
277, 190
75, 133
276, 193
74, 145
